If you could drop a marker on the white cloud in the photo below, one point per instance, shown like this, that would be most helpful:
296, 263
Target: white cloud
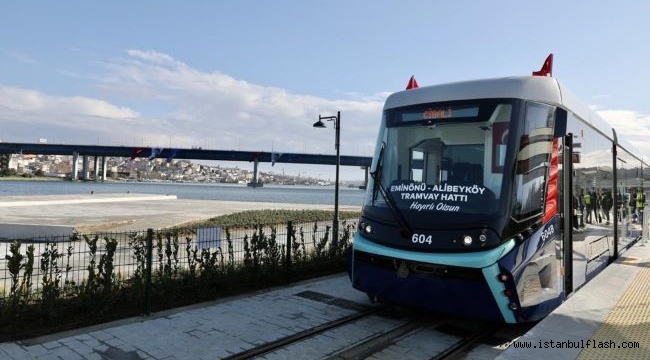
171, 103
628, 122
230, 113
31, 102
153, 57
633, 126
25, 59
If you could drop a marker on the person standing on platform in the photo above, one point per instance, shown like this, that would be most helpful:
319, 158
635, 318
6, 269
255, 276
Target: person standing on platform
581, 206
595, 204
606, 202
632, 204
589, 207
576, 204
619, 206
640, 204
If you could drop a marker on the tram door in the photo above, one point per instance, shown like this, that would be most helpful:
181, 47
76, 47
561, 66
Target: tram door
567, 201
591, 222
629, 179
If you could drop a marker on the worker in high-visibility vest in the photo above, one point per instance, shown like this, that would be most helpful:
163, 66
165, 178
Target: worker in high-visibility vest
640, 204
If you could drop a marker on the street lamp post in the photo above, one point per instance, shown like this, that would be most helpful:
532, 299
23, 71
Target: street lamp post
337, 128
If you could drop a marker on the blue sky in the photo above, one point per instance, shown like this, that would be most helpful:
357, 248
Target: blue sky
254, 75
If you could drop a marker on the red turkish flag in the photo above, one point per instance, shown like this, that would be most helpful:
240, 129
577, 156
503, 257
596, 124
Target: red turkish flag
412, 84
547, 68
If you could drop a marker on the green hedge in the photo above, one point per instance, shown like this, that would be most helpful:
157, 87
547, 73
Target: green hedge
180, 275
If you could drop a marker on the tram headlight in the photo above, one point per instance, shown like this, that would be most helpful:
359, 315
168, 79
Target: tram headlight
467, 240
367, 228
482, 238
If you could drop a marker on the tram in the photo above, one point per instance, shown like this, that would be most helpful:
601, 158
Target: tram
477, 204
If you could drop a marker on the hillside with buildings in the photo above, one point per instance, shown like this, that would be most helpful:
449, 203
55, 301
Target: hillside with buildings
143, 169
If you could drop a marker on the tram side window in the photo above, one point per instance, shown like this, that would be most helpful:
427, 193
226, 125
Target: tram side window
533, 159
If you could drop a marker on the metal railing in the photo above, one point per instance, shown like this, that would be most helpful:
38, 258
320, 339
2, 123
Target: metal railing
33, 270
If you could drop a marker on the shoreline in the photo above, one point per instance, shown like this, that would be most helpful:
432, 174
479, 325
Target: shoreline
32, 214
344, 185
198, 191
33, 178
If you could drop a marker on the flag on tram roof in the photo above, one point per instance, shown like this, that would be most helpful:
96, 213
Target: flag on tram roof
547, 68
412, 83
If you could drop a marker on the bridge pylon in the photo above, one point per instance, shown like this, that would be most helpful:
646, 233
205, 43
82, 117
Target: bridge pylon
4, 164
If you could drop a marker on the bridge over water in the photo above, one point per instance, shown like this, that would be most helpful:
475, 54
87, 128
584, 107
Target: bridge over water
102, 152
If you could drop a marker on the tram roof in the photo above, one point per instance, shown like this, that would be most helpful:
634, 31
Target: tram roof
537, 88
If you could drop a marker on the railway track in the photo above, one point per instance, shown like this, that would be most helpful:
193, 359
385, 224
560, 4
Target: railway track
291, 339
466, 341
378, 333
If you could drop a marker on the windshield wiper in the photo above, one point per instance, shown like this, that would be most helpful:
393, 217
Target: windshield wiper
377, 173
377, 185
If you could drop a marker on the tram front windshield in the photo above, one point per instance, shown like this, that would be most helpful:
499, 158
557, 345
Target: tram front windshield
443, 159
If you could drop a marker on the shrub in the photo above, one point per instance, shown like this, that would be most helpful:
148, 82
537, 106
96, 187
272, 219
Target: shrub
182, 273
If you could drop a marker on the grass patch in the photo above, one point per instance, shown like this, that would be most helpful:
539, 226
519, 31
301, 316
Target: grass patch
272, 217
